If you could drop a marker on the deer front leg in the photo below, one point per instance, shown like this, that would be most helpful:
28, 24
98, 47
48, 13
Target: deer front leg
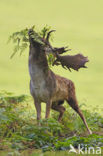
48, 107
38, 109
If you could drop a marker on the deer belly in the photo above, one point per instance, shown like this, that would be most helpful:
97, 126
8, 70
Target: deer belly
61, 92
60, 95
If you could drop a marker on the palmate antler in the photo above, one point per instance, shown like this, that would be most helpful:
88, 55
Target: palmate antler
75, 62
68, 61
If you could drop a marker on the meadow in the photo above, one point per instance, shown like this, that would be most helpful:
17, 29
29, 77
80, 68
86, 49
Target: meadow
78, 24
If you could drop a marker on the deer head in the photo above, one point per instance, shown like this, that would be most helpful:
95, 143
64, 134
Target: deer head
36, 44
68, 61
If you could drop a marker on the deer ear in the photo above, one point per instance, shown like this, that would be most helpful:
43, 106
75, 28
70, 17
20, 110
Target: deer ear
74, 62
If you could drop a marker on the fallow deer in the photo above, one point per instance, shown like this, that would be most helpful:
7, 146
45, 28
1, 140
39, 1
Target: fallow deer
46, 86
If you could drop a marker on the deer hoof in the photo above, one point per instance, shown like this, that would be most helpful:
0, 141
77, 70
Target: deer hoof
90, 132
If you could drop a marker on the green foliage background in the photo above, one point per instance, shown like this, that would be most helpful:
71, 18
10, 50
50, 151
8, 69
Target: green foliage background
79, 24
21, 135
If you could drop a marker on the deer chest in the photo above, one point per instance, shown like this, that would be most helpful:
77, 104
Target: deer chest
38, 86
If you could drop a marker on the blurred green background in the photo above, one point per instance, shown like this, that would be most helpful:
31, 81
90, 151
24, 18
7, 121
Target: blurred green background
79, 24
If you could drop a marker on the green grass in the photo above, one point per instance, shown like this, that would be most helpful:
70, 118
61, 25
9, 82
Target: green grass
20, 133
79, 24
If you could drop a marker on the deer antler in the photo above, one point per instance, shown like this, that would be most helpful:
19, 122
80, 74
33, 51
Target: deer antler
68, 61
75, 62
48, 35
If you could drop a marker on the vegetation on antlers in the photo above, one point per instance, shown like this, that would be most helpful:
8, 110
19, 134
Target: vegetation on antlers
21, 40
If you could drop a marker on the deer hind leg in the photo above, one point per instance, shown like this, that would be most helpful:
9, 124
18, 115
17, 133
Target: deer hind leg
74, 104
57, 106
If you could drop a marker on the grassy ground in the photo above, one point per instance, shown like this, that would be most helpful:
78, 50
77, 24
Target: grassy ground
20, 134
79, 24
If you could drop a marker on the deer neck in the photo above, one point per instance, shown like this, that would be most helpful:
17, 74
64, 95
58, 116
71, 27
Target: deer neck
38, 66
